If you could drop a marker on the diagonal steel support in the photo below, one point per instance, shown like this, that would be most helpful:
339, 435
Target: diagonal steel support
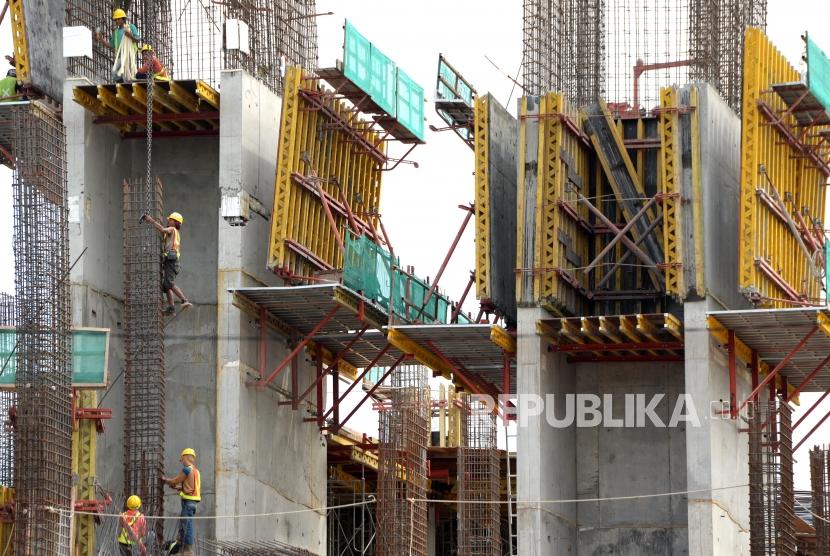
773, 373
812, 407
334, 363
371, 391
808, 379
628, 254
262, 382
620, 234
809, 434
338, 400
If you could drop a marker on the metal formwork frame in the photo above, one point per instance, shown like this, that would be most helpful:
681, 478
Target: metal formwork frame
820, 499
328, 178
773, 268
673, 233
481, 110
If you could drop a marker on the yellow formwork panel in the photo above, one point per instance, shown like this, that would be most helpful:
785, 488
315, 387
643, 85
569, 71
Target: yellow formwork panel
302, 240
481, 149
765, 238
671, 188
84, 444
561, 246
7, 529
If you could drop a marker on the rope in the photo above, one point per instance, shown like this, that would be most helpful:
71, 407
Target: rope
371, 500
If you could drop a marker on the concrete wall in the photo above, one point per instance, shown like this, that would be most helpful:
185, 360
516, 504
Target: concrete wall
625, 461
268, 459
255, 456
717, 450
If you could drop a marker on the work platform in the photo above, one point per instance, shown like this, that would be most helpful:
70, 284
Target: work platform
351, 329
794, 343
180, 108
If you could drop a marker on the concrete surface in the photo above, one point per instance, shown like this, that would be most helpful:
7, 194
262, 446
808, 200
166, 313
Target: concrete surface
255, 456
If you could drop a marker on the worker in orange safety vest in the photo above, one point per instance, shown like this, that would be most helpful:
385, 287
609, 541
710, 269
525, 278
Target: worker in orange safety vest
133, 528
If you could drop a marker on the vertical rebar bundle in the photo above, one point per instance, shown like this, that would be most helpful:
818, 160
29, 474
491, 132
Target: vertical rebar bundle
144, 380
402, 473
43, 432
7, 400
584, 48
820, 501
479, 524
771, 495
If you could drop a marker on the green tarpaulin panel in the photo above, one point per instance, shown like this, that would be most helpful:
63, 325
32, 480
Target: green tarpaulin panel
382, 81
410, 105
367, 268
462, 90
90, 348
818, 73
357, 58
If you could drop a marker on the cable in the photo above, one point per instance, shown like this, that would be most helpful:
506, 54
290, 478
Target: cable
574, 500
233, 516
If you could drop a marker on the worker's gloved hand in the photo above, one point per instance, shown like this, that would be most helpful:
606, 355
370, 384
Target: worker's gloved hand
143, 217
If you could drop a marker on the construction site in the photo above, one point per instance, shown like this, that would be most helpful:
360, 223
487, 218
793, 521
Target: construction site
630, 367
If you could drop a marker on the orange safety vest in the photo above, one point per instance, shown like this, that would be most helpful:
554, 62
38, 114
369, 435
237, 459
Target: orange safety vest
192, 486
135, 521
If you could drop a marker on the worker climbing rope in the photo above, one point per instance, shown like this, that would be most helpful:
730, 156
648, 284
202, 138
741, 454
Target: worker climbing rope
170, 259
132, 529
189, 484
152, 65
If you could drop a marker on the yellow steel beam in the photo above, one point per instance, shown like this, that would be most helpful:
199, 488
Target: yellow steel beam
207, 93
548, 224
19, 42
672, 193
482, 196
285, 165
84, 452
520, 215
503, 339
423, 355
90, 102
183, 97
109, 100
125, 95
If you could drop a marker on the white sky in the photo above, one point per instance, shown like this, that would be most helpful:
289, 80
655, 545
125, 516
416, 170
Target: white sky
420, 205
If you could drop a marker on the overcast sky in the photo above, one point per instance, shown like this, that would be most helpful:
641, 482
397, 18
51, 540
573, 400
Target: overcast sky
419, 206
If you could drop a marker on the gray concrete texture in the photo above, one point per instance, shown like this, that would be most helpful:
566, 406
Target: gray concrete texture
44, 37
254, 456
502, 136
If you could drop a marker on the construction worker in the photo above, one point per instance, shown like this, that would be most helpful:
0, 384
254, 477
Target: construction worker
189, 484
124, 40
132, 528
170, 259
151, 64
9, 87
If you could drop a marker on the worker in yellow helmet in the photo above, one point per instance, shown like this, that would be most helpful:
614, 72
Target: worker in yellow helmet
132, 528
124, 40
151, 64
170, 259
189, 484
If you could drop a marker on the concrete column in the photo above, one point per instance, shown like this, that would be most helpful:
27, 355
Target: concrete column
716, 451
546, 456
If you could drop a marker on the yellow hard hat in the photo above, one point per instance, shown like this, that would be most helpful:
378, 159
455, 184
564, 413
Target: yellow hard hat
188, 452
178, 218
145, 47
133, 502
119, 13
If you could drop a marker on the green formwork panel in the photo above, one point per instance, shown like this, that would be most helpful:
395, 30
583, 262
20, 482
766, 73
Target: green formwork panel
368, 269
382, 83
357, 58
89, 357
818, 73
410, 105
462, 90
827, 270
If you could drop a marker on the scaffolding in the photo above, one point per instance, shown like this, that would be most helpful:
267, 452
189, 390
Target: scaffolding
196, 39
351, 530
820, 501
144, 380
771, 495
402, 474
479, 524
43, 430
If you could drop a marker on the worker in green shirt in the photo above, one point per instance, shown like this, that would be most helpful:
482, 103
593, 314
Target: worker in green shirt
124, 41
9, 87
